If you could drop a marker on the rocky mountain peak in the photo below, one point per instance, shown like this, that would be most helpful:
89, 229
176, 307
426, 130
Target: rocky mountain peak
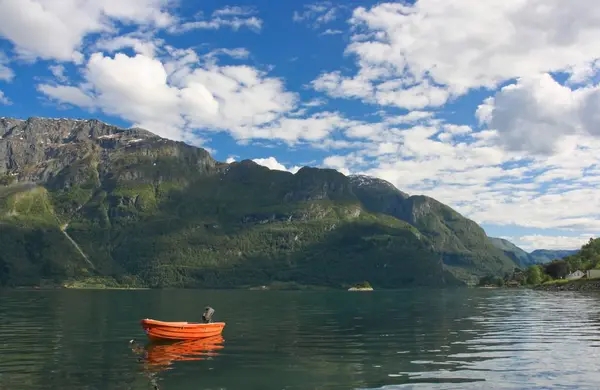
373, 182
61, 131
37, 149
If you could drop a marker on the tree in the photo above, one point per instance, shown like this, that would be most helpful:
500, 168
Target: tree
534, 274
490, 280
364, 284
557, 269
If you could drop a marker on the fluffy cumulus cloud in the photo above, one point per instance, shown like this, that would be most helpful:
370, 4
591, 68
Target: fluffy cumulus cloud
537, 113
67, 94
269, 162
179, 96
272, 163
533, 160
56, 29
423, 54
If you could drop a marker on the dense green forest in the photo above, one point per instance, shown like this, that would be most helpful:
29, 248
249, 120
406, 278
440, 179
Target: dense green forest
82, 200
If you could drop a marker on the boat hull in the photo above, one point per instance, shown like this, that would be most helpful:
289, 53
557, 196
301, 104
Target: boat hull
163, 330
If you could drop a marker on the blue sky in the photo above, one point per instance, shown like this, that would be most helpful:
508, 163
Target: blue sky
489, 107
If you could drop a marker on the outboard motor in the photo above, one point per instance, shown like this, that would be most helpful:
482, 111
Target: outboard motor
208, 313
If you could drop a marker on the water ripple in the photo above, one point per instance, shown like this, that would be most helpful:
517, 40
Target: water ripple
463, 339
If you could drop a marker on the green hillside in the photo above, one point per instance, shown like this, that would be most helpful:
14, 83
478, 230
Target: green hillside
517, 254
145, 211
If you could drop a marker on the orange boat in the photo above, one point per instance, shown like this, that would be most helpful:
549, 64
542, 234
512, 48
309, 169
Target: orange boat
163, 330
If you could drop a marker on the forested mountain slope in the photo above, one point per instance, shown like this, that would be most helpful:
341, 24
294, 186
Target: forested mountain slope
81, 198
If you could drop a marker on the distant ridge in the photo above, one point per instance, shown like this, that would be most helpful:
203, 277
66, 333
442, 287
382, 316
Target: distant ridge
525, 259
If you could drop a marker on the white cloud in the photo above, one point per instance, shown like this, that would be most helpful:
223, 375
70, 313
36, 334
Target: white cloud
411, 97
56, 29
314, 128
318, 14
231, 17
421, 55
330, 31
582, 73
246, 100
179, 96
252, 23
470, 172
338, 163
140, 80
272, 163
140, 43
536, 114
58, 71
411, 117
390, 93
4, 100
217, 23
237, 53
234, 11
337, 86
174, 100
230, 159
315, 102
536, 241
67, 94
6, 73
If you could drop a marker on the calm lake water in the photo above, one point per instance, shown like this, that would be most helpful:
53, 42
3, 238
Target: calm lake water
432, 339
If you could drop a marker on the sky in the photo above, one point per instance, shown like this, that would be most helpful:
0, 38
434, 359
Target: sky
491, 107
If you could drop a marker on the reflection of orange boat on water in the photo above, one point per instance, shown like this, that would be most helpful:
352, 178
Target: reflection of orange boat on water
163, 330
161, 355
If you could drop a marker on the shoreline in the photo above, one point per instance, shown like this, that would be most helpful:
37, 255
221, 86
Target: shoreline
572, 285
60, 287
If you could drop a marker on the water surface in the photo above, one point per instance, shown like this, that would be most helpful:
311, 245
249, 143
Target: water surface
431, 339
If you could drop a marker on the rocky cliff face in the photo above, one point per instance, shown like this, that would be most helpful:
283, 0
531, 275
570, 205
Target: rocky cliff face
38, 150
165, 213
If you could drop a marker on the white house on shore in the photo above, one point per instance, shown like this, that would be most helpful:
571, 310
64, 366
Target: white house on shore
593, 273
576, 275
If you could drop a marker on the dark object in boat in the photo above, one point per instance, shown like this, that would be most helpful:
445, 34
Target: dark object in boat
208, 313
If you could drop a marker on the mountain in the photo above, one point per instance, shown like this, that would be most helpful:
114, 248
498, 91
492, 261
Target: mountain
517, 254
525, 259
541, 256
82, 199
